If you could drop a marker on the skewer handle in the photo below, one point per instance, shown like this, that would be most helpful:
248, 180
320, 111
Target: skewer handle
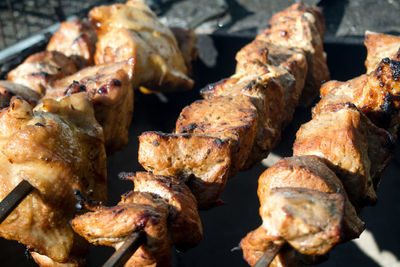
122, 255
12, 200
268, 256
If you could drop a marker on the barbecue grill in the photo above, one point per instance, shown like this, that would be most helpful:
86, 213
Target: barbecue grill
25, 27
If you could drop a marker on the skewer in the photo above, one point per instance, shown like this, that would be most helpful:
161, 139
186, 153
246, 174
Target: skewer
269, 255
12, 200
122, 255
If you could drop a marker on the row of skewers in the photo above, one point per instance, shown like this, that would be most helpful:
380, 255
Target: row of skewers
235, 126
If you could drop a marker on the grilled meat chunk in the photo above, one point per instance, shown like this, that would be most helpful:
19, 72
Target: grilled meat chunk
375, 94
231, 118
77, 40
303, 27
39, 69
10, 89
203, 162
133, 30
163, 207
380, 46
58, 147
109, 86
347, 139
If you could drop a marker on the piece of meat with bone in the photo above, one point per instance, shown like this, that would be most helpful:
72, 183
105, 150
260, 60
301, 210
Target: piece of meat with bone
203, 162
39, 69
133, 30
380, 46
77, 40
109, 86
58, 147
303, 203
376, 94
163, 207
302, 27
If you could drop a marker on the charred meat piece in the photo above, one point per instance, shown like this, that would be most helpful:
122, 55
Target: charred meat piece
203, 162
133, 30
77, 40
109, 86
376, 94
380, 46
230, 118
343, 136
10, 89
57, 149
39, 69
303, 27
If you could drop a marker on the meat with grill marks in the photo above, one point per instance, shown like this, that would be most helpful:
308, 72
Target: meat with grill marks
133, 30
109, 86
77, 40
58, 147
163, 207
39, 69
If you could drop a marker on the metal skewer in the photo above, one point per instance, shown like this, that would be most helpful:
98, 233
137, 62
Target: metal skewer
122, 255
269, 255
12, 200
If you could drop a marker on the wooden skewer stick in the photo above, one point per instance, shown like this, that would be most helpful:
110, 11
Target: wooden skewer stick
269, 255
12, 200
122, 255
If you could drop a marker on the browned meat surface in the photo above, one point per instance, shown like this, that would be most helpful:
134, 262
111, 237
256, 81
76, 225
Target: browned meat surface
163, 207
58, 147
302, 27
203, 162
231, 118
314, 217
77, 40
341, 134
380, 46
10, 89
133, 30
39, 69
109, 86
375, 94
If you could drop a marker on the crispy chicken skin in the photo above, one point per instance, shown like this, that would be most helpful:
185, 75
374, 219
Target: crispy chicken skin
203, 162
10, 89
232, 119
163, 207
57, 147
376, 94
341, 134
304, 203
303, 27
109, 86
133, 30
380, 46
77, 40
39, 69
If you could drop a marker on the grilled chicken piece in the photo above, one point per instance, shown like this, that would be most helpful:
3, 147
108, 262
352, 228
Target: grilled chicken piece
303, 27
303, 203
187, 40
133, 30
163, 207
203, 162
231, 118
356, 149
380, 46
77, 40
10, 89
58, 147
109, 86
375, 94
39, 69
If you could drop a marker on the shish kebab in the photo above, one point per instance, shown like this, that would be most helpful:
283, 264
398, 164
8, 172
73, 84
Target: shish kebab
311, 200
107, 85
245, 115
